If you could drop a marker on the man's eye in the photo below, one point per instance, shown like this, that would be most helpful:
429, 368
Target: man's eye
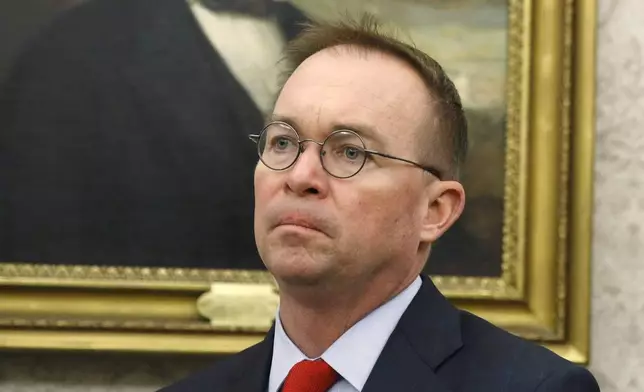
350, 153
281, 143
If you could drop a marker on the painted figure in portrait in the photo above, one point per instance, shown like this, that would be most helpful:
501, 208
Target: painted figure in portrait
125, 127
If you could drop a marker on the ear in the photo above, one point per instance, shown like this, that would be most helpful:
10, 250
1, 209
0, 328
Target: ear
445, 201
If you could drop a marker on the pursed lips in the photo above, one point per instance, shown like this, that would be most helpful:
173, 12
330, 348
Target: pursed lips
301, 221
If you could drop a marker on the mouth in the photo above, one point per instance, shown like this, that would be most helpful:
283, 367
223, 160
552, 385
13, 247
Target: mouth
299, 222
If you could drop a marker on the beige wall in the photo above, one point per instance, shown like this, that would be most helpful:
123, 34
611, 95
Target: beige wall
618, 249
618, 260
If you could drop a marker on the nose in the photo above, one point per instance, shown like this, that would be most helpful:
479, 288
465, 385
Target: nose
307, 176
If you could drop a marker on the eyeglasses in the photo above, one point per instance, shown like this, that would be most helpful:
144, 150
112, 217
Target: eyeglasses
342, 154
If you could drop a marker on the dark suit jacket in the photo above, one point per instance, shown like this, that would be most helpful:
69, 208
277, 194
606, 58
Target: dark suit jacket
435, 347
124, 142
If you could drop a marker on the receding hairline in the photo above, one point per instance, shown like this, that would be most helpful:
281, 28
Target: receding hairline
445, 126
363, 50
427, 131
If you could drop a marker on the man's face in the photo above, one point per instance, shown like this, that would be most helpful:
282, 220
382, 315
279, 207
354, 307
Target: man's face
311, 227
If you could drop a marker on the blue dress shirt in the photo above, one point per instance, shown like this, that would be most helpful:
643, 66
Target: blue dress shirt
354, 354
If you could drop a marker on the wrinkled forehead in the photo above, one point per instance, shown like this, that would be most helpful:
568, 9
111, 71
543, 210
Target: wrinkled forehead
342, 86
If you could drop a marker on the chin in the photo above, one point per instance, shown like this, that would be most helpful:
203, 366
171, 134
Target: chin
298, 269
299, 280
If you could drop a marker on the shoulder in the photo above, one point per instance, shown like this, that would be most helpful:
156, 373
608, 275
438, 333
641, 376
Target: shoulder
94, 27
515, 364
223, 372
575, 379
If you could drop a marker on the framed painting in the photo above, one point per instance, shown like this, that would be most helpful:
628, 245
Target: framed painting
126, 194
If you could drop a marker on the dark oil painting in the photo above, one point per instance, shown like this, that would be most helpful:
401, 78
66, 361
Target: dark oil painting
124, 123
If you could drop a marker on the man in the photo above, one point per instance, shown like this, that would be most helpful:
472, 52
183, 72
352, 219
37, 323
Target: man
357, 178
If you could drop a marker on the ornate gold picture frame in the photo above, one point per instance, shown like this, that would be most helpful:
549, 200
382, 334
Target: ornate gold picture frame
542, 293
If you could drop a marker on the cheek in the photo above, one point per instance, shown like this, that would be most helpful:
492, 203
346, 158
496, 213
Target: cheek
382, 215
265, 188
265, 183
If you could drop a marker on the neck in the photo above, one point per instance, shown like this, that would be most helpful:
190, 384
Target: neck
315, 318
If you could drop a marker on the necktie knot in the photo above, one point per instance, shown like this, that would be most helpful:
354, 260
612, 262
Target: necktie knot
310, 376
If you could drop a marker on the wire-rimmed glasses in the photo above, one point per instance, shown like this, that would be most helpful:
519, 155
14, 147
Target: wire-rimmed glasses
342, 154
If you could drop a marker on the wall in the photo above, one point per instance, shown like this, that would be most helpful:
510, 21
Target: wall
618, 246
618, 293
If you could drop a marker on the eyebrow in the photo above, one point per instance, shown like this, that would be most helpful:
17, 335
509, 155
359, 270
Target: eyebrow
365, 131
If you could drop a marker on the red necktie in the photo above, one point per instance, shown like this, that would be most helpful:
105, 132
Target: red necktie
310, 376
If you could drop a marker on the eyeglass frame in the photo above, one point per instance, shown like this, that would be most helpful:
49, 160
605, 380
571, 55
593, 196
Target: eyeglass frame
300, 149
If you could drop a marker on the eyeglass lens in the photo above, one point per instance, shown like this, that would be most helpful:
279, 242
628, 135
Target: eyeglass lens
342, 154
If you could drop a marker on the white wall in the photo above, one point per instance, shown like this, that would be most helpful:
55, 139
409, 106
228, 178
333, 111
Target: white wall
618, 246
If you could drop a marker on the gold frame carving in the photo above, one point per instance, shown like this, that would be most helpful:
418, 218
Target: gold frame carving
543, 293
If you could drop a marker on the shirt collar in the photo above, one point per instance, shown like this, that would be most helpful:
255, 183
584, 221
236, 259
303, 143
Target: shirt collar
355, 353
285, 356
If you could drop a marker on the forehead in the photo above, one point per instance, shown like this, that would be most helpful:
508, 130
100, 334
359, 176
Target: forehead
343, 85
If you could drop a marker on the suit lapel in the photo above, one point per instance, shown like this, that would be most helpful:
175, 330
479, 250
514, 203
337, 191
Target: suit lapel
399, 368
427, 334
252, 375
